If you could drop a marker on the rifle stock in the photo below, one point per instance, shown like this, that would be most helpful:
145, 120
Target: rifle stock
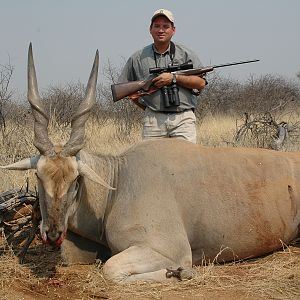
122, 90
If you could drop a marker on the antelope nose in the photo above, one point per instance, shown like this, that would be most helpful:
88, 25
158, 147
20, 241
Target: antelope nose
53, 235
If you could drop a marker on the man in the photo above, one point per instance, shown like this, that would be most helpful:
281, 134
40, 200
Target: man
163, 116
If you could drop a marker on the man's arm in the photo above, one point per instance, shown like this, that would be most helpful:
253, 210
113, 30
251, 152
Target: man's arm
189, 82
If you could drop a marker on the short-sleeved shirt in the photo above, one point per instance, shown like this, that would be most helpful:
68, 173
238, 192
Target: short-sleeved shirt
137, 68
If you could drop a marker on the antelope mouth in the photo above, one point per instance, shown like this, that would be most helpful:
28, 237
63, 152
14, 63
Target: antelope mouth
54, 242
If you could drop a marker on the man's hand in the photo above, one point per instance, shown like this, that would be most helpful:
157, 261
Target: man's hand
162, 79
189, 82
134, 97
141, 93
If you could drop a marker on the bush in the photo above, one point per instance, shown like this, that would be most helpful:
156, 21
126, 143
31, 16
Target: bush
263, 94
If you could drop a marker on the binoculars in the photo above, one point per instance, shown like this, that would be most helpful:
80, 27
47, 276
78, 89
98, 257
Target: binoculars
170, 93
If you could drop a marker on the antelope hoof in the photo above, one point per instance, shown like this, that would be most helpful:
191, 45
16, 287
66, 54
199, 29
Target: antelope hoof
180, 273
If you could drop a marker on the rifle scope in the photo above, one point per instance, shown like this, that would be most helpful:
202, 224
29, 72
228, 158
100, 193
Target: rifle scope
172, 68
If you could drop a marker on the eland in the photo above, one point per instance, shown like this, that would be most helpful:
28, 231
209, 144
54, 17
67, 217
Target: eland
163, 205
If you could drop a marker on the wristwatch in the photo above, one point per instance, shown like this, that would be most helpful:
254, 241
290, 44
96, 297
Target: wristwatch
174, 81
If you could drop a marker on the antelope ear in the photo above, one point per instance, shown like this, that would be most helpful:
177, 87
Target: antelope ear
24, 164
86, 171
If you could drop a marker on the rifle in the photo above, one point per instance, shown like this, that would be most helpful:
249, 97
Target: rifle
140, 88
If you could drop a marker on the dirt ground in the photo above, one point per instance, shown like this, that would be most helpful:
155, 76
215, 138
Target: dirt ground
42, 276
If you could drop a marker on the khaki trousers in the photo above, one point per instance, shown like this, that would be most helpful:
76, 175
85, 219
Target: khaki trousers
161, 125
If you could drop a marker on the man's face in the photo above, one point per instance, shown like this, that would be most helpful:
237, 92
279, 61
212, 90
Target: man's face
162, 30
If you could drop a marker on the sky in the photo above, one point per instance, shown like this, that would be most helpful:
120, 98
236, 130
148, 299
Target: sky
65, 35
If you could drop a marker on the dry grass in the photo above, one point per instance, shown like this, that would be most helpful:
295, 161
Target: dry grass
216, 131
11, 270
276, 276
105, 139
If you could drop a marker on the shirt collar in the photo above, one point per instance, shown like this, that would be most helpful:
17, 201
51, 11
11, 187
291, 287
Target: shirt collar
166, 52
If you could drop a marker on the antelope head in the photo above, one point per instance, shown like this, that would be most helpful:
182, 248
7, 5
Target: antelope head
58, 168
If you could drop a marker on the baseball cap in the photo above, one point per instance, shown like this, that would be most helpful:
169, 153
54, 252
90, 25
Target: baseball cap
163, 12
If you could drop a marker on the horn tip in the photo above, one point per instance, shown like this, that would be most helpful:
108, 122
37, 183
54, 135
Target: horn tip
30, 55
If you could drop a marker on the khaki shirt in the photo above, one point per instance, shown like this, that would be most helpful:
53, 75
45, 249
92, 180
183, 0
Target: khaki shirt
137, 68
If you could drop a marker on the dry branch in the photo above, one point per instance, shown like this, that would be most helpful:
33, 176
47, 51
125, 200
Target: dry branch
263, 131
19, 218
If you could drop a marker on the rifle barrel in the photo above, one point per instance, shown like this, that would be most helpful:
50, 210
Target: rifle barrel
235, 63
211, 68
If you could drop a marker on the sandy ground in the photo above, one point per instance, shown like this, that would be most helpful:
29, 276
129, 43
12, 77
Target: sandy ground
276, 276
